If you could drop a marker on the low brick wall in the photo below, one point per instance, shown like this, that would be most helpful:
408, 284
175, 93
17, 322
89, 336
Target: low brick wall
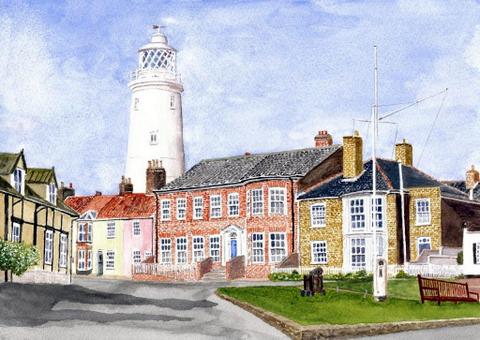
235, 268
41, 276
203, 267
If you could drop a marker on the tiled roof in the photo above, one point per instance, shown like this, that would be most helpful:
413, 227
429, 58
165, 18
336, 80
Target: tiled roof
238, 169
114, 206
40, 175
8, 162
387, 179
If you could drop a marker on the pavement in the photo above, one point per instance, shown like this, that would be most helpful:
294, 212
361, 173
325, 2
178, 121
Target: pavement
109, 309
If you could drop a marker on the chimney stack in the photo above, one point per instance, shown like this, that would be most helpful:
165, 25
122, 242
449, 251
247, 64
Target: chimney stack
352, 155
125, 186
64, 192
156, 176
472, 178
323, 139
404, 153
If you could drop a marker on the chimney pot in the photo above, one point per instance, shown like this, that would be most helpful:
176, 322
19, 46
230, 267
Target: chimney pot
247, 153
98, 193
71, 185
472, 178
323, 139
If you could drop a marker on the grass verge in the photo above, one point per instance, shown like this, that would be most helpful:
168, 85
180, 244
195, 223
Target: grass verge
345, 308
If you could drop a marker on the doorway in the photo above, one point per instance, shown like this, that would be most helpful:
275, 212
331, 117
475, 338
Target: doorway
100, 263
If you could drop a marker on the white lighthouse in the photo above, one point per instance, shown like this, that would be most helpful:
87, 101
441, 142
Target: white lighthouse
156, 128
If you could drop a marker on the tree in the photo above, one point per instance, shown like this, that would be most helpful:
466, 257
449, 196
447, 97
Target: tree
17, 257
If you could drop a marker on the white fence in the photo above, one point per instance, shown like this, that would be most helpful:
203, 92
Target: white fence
425, 270
175, 272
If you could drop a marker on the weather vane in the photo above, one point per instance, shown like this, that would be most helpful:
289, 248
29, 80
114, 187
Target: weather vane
158, 27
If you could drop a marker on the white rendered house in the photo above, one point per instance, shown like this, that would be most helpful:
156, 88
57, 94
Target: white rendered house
156, 128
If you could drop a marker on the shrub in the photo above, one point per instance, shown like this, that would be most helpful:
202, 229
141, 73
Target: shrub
403, 275
17, 257
460, 257
360, 275
293, 276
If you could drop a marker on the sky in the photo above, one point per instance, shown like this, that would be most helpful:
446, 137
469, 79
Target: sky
259, 76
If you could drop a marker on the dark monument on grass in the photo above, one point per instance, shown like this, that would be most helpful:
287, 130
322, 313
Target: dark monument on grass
313, 283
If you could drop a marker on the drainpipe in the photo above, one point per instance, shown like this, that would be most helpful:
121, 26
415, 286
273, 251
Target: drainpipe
292, 195
402, 196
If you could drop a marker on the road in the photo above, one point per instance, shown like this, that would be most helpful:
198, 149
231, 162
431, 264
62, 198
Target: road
107, 309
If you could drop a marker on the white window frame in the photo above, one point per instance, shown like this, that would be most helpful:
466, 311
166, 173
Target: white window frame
81, 232
52, 193
421, 240
272, 199
181, 210
420, 219
218, 208
110, 260
258, 248
81, 265
111, 230
153, 137
62, 261
18, 180
358, 255
136, 228
88, 232
165, 250
172, 102
147, 254
198, 248
233, 204
256, 203
16, 232
89, 259
136, 256
136, 102
351, 214
215, 250
276, 258
380, 213
317, 221
317, 255
165, 206
183, 251
48, 253
197, 208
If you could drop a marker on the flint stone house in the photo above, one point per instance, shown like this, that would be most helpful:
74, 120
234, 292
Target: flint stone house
113, 233
336, 223
240, 207
33, 212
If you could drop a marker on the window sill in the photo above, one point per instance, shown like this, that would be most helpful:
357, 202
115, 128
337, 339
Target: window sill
318, 226
422, 224
316, 263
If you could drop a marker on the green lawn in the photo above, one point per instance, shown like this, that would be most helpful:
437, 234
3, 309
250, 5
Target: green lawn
347, 307
399, 288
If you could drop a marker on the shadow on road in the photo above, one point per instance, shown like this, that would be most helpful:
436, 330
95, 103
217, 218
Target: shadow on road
32, 304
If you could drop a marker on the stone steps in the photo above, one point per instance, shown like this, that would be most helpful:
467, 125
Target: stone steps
216, 275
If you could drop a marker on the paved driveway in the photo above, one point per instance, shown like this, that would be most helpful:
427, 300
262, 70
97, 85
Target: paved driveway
124, 310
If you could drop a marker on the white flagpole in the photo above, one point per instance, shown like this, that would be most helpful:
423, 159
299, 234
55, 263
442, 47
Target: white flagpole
374, 173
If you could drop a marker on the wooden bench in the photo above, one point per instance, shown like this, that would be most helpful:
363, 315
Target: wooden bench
439, 290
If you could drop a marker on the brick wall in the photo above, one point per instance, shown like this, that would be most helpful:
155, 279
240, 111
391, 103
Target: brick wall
332, 232
393, 242
352, 155
209, 226
235, 268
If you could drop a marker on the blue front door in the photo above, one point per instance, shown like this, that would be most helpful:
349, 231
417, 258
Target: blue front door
233, 248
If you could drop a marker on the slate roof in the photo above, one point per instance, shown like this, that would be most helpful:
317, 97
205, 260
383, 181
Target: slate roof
387, 179
238, 169
461, 185
41, 175
114, 206
8, 161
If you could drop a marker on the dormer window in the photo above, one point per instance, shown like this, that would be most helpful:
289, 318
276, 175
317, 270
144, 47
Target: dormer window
52, 193
19, 180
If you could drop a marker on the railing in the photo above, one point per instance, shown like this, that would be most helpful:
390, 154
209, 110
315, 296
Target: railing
171, 271
155, 73
425, 270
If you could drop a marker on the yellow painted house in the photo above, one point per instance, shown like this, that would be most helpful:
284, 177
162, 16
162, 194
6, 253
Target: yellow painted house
32, 212
413, 211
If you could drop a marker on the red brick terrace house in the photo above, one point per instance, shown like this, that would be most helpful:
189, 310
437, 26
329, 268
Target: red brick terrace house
240, 208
